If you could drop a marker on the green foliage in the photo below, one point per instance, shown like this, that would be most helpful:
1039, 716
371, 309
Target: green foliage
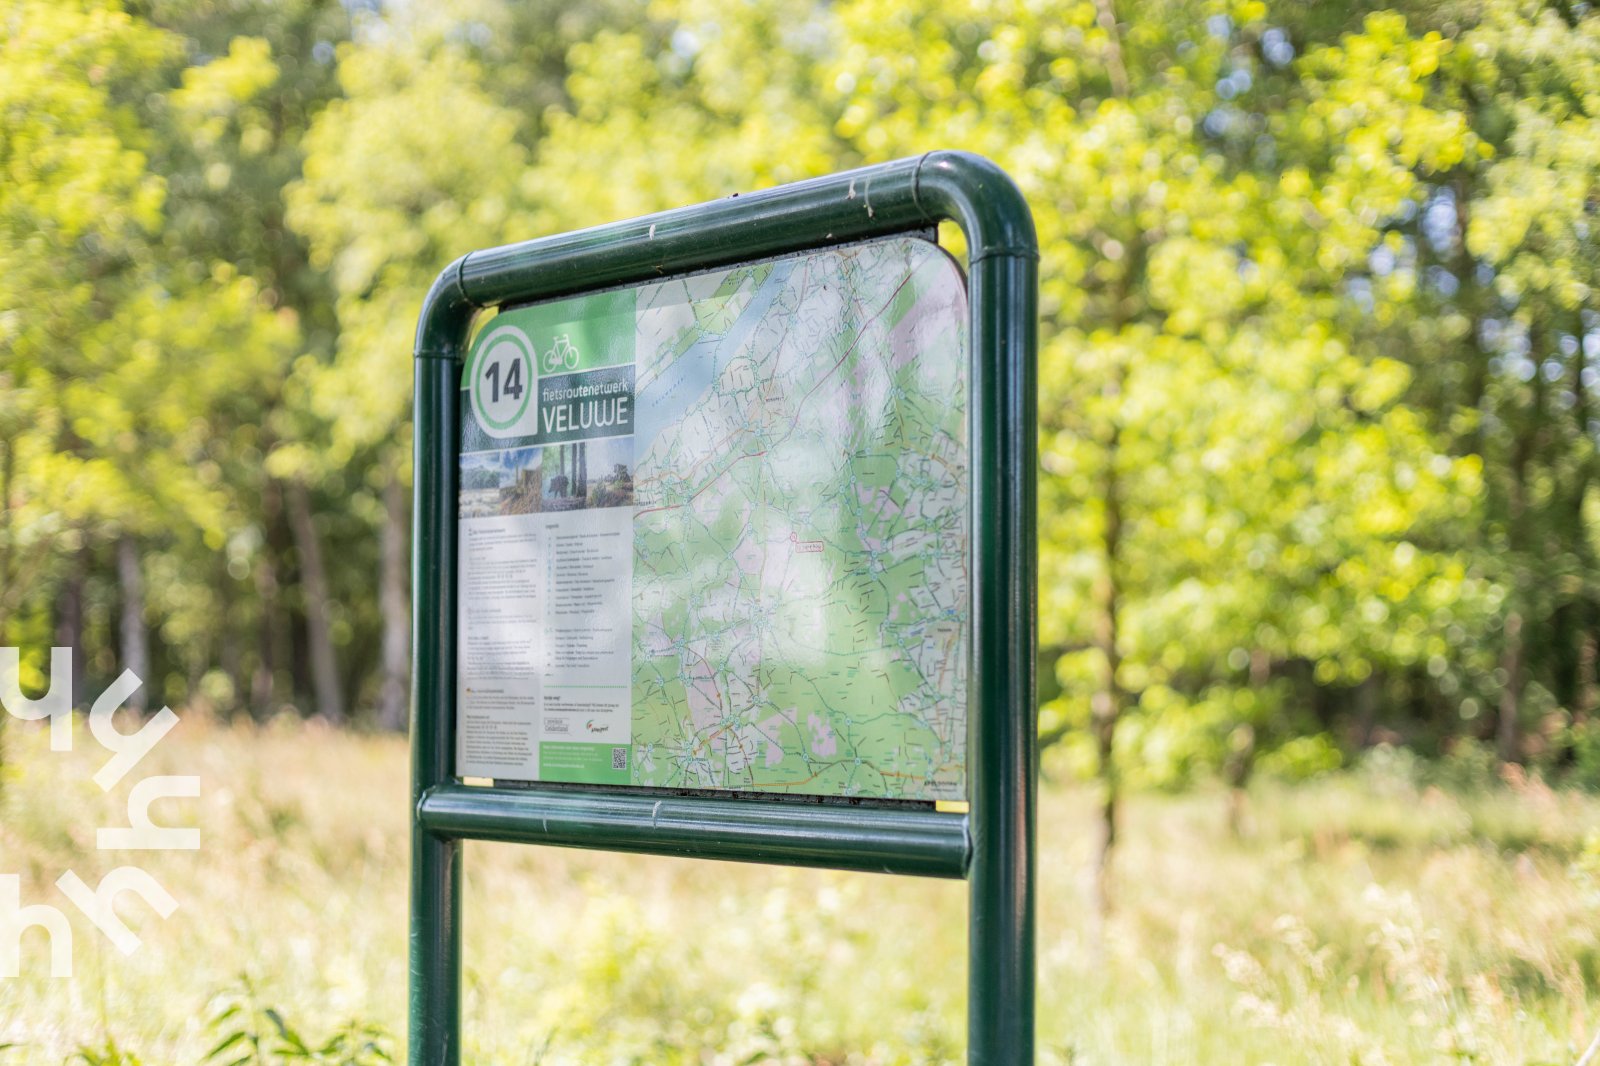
1352, 892
105, 1054
77, 210
249, 1034
1232, 468
118, 417
1302, 758
1320, 347
414, 166
1468, 766
1586, 755
1317, 428
1587, 865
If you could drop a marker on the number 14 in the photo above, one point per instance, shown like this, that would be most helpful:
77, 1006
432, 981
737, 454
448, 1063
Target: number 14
513, 383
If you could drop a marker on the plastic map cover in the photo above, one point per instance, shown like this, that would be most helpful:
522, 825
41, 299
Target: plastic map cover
714, 532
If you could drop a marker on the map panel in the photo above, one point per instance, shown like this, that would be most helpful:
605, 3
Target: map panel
722, 541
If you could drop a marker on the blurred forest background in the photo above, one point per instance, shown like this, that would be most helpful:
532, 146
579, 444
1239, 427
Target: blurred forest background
1320, 342
1320, 397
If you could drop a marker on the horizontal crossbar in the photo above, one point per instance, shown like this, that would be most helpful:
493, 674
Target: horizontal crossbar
875, 839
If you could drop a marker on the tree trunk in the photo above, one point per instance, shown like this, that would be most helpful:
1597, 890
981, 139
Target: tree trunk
1583, 673
1107, 702
1241, 760
134, 638
263, 681
395, 601
1507, 742
1106, 705
314, 585
1116, 68
7, 466
1584, 704
273, 639
70, 622
1366, 701
1472, 299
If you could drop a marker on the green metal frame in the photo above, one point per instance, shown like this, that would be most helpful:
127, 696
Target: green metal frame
993, 844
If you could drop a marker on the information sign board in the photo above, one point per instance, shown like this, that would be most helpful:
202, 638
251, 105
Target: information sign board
724, 508
714, 531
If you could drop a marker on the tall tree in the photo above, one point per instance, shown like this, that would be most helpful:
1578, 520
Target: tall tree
1504, 256
424, 158
260, 71
115, 424
1231, 480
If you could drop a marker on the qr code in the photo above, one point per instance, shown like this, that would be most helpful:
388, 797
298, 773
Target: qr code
619, 758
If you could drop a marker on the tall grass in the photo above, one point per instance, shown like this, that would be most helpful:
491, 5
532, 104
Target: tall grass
1366, 918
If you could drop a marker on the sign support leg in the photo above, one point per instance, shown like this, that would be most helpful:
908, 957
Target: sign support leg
435, 977
435, 1033
1003, 755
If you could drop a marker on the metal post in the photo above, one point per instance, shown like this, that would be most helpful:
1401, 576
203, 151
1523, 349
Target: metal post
1002, 756
435, 969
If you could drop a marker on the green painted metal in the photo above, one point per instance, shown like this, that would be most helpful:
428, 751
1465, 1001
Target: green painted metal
435, 977
876, 839
1002, 756
993, 845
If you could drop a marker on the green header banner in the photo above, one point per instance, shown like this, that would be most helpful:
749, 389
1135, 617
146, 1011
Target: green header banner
549, 373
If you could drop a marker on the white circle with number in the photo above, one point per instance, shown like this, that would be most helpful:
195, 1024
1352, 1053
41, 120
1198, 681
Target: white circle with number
502, 383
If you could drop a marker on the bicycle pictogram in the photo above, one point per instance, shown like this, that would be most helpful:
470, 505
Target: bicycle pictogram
563, 353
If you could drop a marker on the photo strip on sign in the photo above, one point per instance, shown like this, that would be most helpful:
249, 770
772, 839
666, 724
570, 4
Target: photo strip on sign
714, 532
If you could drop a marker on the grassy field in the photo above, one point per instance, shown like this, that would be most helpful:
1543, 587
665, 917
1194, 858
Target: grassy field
1364, 918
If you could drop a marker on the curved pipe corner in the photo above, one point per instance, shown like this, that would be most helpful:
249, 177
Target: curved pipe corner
446, 312
982, 198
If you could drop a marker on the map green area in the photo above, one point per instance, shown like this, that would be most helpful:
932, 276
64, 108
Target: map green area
801, 527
